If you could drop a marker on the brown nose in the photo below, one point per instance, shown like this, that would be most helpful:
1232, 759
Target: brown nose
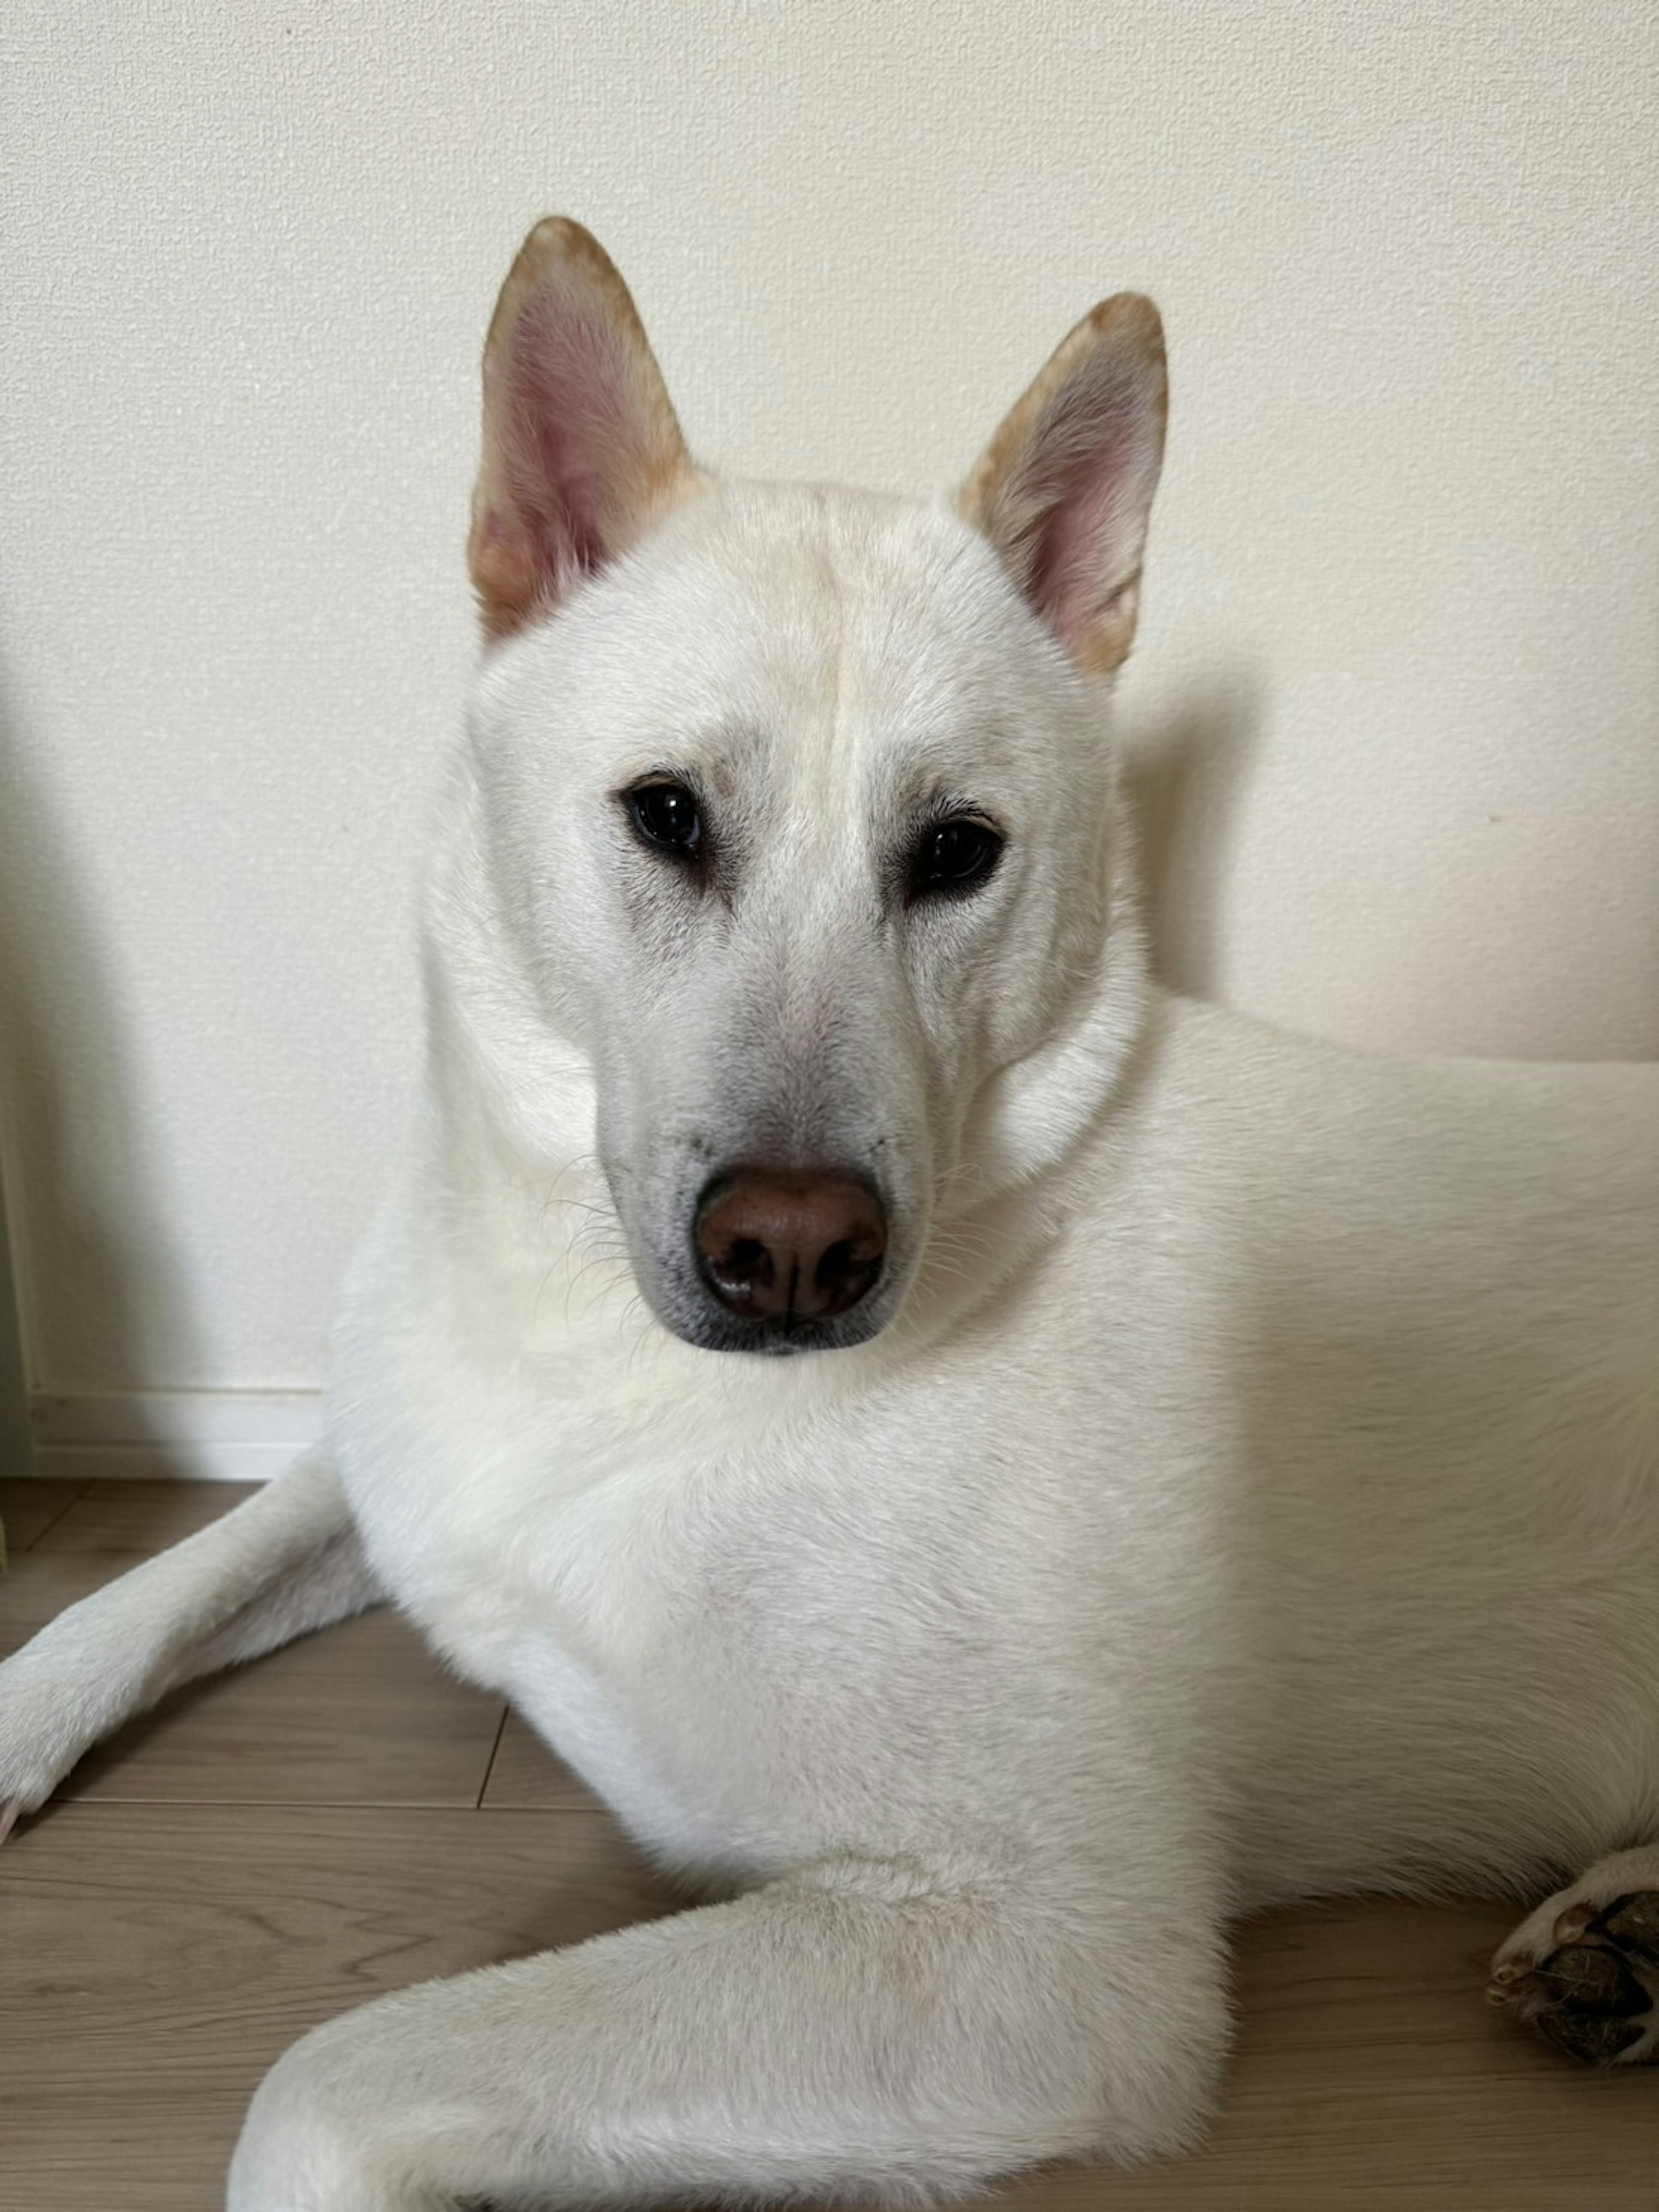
779, 1247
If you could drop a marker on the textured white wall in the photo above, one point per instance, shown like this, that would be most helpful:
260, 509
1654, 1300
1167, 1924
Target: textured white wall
1399, 672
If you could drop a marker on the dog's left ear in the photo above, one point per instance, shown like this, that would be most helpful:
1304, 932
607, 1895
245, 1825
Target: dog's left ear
582, 449
1064, 487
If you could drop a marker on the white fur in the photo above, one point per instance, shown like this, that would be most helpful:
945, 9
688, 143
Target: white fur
1253, 1492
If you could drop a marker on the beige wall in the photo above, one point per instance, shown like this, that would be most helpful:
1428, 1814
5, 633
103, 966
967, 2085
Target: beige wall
1399, 672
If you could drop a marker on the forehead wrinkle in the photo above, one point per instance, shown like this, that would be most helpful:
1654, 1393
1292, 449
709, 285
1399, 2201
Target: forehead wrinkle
903, 727
810, 760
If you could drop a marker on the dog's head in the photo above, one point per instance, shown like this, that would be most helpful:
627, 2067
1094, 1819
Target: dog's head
786, 835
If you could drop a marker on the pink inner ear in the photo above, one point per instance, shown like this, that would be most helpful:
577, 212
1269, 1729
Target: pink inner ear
1085, 487
1074, 575
571, 417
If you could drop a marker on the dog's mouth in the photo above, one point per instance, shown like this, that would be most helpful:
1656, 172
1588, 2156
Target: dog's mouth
712, 1331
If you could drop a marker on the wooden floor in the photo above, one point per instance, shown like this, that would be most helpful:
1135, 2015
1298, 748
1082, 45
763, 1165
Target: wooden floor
341, 1820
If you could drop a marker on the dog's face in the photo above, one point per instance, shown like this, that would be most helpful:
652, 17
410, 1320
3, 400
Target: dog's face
791, 805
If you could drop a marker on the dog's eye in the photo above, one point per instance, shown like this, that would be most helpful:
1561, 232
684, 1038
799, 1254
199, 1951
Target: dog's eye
667, 816
954, 856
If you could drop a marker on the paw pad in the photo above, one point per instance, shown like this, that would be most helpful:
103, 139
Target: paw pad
1595, 1994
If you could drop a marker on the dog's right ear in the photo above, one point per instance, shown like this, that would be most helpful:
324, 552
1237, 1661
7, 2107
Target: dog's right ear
581, 450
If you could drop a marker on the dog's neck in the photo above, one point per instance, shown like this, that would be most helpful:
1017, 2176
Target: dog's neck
1028, 1121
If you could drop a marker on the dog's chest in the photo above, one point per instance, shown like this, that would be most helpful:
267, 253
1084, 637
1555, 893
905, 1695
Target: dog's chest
742, 1653
594, 1614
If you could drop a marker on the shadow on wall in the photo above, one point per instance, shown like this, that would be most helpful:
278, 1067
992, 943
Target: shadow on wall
98, 1281
1183, 780
13, 1384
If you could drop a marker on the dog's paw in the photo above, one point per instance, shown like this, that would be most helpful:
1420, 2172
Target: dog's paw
1583, 1970
40, 1739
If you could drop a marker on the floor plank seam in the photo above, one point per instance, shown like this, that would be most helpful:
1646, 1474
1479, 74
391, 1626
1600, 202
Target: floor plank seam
490, 1763
68, 1506
108, 1807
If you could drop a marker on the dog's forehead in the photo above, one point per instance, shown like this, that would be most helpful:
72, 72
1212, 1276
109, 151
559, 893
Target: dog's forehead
791, 610
831, 595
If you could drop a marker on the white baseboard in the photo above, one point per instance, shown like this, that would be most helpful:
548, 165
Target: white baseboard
196, 1436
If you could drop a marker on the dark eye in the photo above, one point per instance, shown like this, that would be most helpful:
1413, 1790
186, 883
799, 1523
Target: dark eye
954, 856
667, 816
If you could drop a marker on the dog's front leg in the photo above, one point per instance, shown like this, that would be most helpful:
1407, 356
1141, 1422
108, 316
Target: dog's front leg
854, 2027
283, 1563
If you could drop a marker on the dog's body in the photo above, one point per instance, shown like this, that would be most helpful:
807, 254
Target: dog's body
1228, 1467
1304, 1398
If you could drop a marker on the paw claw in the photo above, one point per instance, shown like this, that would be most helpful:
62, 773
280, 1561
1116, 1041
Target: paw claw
10, 1813
1517, 1988
1571, 1925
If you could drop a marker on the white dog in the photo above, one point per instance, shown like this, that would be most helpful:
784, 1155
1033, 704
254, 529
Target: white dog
989, 1470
